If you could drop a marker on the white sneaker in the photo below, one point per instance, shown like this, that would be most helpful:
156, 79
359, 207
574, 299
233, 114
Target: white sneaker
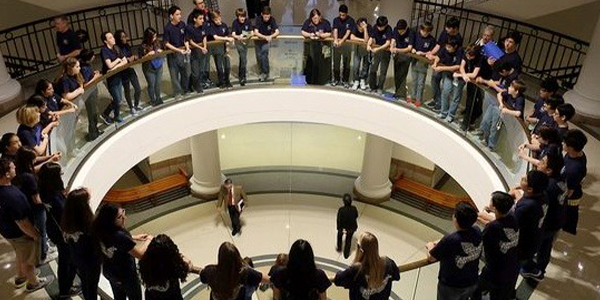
355, 85
363, 84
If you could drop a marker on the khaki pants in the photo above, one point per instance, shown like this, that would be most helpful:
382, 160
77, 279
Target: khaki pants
26, 249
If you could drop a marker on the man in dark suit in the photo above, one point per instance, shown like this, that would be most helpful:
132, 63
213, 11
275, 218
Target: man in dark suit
232, 195
346, 222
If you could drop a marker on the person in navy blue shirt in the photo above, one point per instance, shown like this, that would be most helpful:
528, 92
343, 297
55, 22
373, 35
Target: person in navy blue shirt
199, 57
266, 30
220, 32
57, 106
450, 32
153, 68
402, 40
30, 130
129, 75
317, 65
360, 68
112, 59
380, 39
342, 28
200, 7
90, 75
511, 55
562, 115
548, 88
458, 254
70, 83
446, 63
66, 39
470, 68
500, 238
241, 31
573, 173
422, 45
175, 38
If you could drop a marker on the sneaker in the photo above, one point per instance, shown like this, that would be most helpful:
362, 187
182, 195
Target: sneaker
380, 92
477, 132
431, 104
133, 112
355, 85
49, 257
417, 103
335, 82
42, 282
119, 120
243, 82
449, 119
440, 116
139, 108
346, 84
228, 85
410, 99
106, 119
52, 250
363, 84
20, 282
536, 275
74, 291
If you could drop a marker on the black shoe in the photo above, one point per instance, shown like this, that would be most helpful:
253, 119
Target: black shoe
74, 291
243, 82
228, 85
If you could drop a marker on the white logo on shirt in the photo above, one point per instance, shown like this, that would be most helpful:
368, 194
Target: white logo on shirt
108, 252
513, 239
473, 253
384, 37
268, 27
426, 44
65, 41
73, 236
366, 293
182, 30
406, 40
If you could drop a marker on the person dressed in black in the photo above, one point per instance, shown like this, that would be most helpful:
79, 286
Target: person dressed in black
300, 279
370, 276
66, 39
342, 52
380, 39
230, 278
76, 222
500, 238
119, 251
346, 223
573, 173
162, 268
235, 199
458, 254
129, 75
317, 62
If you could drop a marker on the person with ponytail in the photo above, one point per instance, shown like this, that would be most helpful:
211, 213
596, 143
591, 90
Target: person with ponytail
370, 276
70, 82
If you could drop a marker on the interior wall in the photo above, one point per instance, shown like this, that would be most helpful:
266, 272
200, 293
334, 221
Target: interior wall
577, 22
14, 13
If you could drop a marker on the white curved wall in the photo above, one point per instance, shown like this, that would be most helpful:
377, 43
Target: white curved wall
159, 129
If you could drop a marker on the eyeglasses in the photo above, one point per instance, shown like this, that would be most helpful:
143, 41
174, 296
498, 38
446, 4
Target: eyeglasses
121, 214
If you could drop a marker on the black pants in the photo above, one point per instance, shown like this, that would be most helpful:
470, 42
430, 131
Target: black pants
222, 64
234, 214
126, 287
89, 273
66, 268
496, 291
571, 219
348, 242
401, 66
381, 62
317, 62
341, 57
545, 251
473, 108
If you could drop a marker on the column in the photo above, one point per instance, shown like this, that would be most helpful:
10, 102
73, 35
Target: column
585, 96
373, 185
10, 89
207, 178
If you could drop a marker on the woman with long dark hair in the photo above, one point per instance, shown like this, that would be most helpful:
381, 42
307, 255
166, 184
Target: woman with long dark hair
76, 222
112, 59
370, 276
119, 251
317, 65
57, 106
300, 279
130, 77
162, 268
52, 192
230, 278
153, 68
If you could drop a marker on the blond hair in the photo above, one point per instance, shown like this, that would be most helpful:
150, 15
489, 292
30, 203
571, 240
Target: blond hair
371, 265
28, 115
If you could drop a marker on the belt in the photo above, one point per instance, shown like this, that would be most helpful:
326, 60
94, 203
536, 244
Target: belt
574, 202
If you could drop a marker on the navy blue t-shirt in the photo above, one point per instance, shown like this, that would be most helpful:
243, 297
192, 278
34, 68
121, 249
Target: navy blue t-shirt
53, 102
238, 27
107, 53
547, 148
573, 173
205, 13
381, 37
13, 207
309, 27
27, 183
458, 254
556, 193
444, 37
176, 34
472, 64
505, 81
403, 40
357, 283
450, 59
308, 289
249, 280
423, 44
82, 246
544, 120
87, 71
126, 50
67, 42
266, 28
538, 107
500, 239
30, 136
513, 59
197, 34
343, 26
516, 104
219, 30
170, 290
118, 263
67, 84
529, 212
358, 34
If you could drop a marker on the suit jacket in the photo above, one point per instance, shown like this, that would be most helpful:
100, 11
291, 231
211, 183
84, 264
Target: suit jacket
238, 194
346, 218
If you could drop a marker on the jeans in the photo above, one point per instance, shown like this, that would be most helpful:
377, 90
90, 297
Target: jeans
473, 109
488, 125
39, 222
341, 55
419, 74
234, 214
401, 66
381, 61
545, 251
222, 64
261, 48
198, 61
451, 94
360, 68
445, 292
126, 287
153, 77
436, 81
348, 242
91, 108
242, 48
114, 84
130, 78
179, 73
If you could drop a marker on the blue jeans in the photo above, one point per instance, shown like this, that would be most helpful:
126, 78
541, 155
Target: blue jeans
198, 61
114, 85
130, 78
39, 222
222, 63
451, 94
179, 73
360, 68
261, 48
489, 124
436, 81
153, 77
419, 74
242, 49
